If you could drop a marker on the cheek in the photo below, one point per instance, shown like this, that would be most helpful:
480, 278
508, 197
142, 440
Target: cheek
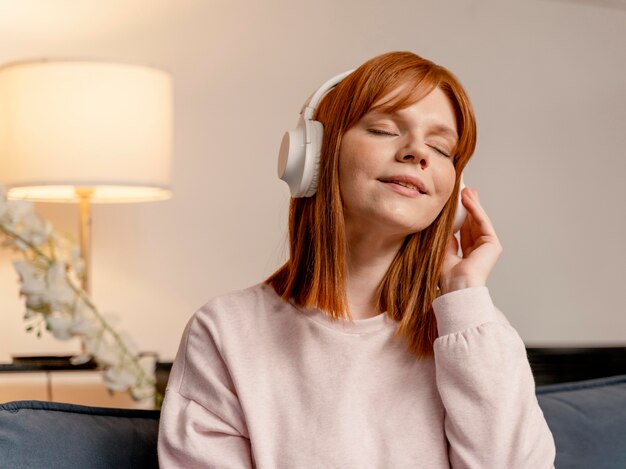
447, 180
355, 182
355, 166
349, 155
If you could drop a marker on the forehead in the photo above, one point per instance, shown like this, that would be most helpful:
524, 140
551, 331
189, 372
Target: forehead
433, 106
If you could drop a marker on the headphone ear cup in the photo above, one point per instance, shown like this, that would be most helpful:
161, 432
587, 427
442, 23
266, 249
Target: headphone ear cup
299, 154
315, 137
291, 158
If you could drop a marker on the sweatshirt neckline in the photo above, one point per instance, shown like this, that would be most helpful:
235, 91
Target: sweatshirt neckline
355, 326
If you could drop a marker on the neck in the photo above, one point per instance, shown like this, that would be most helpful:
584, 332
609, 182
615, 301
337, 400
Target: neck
368, 259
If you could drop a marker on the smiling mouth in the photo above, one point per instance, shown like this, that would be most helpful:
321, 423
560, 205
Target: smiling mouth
410, 186
404, 184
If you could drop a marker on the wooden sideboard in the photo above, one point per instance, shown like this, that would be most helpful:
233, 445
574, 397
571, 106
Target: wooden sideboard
55, 379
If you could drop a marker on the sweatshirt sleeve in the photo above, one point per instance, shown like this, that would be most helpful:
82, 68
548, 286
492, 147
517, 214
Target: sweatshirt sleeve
202, 423
492, 417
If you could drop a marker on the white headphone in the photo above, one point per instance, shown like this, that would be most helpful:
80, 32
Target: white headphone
299, 154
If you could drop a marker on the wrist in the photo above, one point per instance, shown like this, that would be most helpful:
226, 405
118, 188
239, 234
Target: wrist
459, 284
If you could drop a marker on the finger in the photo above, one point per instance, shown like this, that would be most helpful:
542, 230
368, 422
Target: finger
478, 228
478, 213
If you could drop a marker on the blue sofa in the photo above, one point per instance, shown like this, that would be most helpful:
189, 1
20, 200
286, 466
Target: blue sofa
52, 435
587, 419
588, 422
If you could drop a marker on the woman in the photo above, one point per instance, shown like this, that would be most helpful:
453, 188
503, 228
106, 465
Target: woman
376, 345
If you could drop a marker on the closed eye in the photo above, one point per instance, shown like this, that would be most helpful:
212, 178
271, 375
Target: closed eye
441, 152
381, 132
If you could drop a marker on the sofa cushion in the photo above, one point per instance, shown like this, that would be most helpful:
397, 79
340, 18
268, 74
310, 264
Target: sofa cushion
588, 421
35, 434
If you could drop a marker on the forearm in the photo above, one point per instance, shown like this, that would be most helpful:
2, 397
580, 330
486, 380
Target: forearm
486, 385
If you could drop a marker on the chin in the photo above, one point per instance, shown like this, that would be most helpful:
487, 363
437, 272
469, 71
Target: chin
388, 220
409, 221
397, 226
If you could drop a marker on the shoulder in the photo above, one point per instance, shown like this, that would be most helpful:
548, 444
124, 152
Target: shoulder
227, 321
221, 332
238, 310
239, 302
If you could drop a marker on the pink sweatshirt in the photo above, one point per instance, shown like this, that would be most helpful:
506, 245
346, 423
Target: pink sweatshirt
259, 382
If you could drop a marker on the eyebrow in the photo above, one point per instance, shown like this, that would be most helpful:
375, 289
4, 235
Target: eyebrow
443, 129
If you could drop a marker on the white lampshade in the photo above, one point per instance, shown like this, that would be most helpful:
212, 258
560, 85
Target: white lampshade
79, 124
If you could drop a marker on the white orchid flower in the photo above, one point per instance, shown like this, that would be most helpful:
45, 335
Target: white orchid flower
34, 229
105, 353
84, 327
59, 294
77, 262
91, 344
16, 211
36, 302
80, 359
148, 363
33, 284
59, 326
28, 274
142, 392
65, 247
65, 328
119, 378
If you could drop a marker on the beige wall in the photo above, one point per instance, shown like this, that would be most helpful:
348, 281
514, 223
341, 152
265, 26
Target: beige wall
547, 81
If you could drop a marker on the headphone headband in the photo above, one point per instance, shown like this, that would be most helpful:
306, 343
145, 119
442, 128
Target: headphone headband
309, 107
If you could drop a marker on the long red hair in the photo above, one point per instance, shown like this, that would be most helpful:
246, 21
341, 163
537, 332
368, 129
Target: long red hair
314, 275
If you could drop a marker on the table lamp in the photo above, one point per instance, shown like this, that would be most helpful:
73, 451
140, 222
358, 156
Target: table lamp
85, 132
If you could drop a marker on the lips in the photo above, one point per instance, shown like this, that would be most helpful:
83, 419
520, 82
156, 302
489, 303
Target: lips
409, 182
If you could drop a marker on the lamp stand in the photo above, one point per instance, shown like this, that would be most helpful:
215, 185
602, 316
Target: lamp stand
84, 195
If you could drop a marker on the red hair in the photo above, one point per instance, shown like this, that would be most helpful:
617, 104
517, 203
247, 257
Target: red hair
314, 275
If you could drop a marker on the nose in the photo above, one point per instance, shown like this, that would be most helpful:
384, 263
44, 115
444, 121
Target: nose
414, 152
